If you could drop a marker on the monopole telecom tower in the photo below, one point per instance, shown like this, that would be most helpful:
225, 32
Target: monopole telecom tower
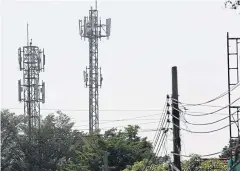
92, 28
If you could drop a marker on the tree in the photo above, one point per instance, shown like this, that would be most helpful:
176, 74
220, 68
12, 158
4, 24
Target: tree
226, 152
124, 148
213, 165
52, 146
193, 163
232, 4
12, 155
141, 164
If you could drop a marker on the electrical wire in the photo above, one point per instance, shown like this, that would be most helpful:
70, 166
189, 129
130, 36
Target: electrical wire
164, 131
125, 119
210, 113
157, 134
144, 116
143, 123
205, 132
160, 145
211, 154
159, 123
208, 123
217, 120
214, 99
181, 114
86, 110
149, 158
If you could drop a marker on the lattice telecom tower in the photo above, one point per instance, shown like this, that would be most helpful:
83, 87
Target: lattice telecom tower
92, 29
233, 79
31, 62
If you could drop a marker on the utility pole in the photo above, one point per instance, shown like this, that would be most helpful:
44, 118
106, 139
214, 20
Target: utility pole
93, 29
105, 160
175, 120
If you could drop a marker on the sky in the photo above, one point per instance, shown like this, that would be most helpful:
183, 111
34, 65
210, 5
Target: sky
147, 39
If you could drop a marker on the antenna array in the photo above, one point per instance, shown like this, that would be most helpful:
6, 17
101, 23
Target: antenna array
31, 62
92, 28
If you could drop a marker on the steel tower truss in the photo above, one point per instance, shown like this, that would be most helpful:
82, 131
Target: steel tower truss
92, 29
31, 62
233, 79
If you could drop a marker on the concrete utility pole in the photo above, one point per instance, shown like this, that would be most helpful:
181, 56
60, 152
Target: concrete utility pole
105, 160
175, 120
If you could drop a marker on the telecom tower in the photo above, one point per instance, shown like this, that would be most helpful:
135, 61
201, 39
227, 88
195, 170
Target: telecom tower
233, 79
31, 62
93, 29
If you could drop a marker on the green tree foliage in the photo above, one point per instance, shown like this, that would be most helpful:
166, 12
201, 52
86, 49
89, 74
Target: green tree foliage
58, 147
226, 152
11, 152
213, 165
193, 163
141, 164
124, 148
51, 147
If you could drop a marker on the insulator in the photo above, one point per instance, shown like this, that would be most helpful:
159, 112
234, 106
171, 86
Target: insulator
168, 96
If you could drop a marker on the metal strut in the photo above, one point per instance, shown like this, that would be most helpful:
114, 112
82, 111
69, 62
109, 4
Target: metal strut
31, 62
233, 80
92, 29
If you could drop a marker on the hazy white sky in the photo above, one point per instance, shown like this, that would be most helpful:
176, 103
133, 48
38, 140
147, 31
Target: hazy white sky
147, 39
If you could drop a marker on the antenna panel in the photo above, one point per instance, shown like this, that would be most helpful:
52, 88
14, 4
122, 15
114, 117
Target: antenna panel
80, 27
43, 59
39, 62
88, 28
84, 27
84, 76
19, 91
108, 26
20, 58
43, 92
